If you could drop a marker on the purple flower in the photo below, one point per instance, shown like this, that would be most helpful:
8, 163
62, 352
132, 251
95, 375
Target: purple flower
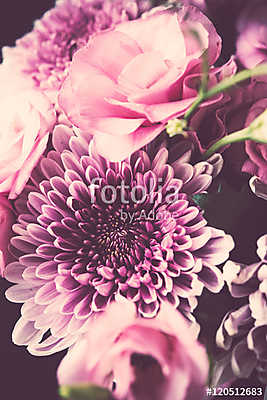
251, 45
44, 54
243, 332
89, 230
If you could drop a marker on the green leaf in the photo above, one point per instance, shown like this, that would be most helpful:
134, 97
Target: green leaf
84, 392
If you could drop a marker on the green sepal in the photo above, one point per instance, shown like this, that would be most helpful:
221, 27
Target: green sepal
84, 392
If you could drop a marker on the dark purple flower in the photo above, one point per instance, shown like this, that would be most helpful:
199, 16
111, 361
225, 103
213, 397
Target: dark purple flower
257, 152
243, 332
44, 54
90, 230
236, 110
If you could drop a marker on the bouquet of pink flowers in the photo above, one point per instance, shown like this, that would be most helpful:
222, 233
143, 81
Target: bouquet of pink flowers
133, 188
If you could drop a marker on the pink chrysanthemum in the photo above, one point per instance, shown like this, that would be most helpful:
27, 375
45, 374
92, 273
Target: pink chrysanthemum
45, 53
90, 230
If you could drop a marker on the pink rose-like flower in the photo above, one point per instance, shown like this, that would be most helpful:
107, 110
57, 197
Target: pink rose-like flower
128, 81
257, 152
138, 358
7, 218
25, 122
251, 45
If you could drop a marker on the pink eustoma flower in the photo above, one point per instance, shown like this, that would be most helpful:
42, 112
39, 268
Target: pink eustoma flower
128, 81
138, 358
25, 122
7, 218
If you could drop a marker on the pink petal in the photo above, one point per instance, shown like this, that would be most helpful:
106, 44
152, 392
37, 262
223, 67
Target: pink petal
46, 294
24, 332
159, 32
163, 112
190, 16
115, 126
25, 171
109, 52
142, 72
164, 90
20, 293
51, 345
117, 150
13, 272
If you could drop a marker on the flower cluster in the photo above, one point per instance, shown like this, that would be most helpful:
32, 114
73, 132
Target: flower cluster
243, 332
130, 352
132, 91
42, 56
133, 159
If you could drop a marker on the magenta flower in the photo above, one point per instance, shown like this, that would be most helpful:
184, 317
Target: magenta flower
89, 229
126, 83
136, 358
243, 332
251, 45
44, 54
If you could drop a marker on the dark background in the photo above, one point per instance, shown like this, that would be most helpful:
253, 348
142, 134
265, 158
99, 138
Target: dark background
17, 16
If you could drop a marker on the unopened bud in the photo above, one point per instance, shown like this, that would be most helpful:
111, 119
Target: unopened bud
176, 127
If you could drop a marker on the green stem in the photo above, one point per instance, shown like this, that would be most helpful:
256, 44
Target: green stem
205, 73
226, 84
239, 136
201, 97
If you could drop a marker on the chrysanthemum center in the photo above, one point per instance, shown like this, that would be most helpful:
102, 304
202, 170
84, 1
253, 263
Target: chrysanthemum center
115, 240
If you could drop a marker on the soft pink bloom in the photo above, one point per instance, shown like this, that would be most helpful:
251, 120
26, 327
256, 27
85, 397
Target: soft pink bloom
257, 152
7, 218
251, 45
43, 55
156, 359
128, 81
26, 118
12, 83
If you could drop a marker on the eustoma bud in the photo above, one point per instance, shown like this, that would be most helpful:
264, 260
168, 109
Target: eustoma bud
176, 126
